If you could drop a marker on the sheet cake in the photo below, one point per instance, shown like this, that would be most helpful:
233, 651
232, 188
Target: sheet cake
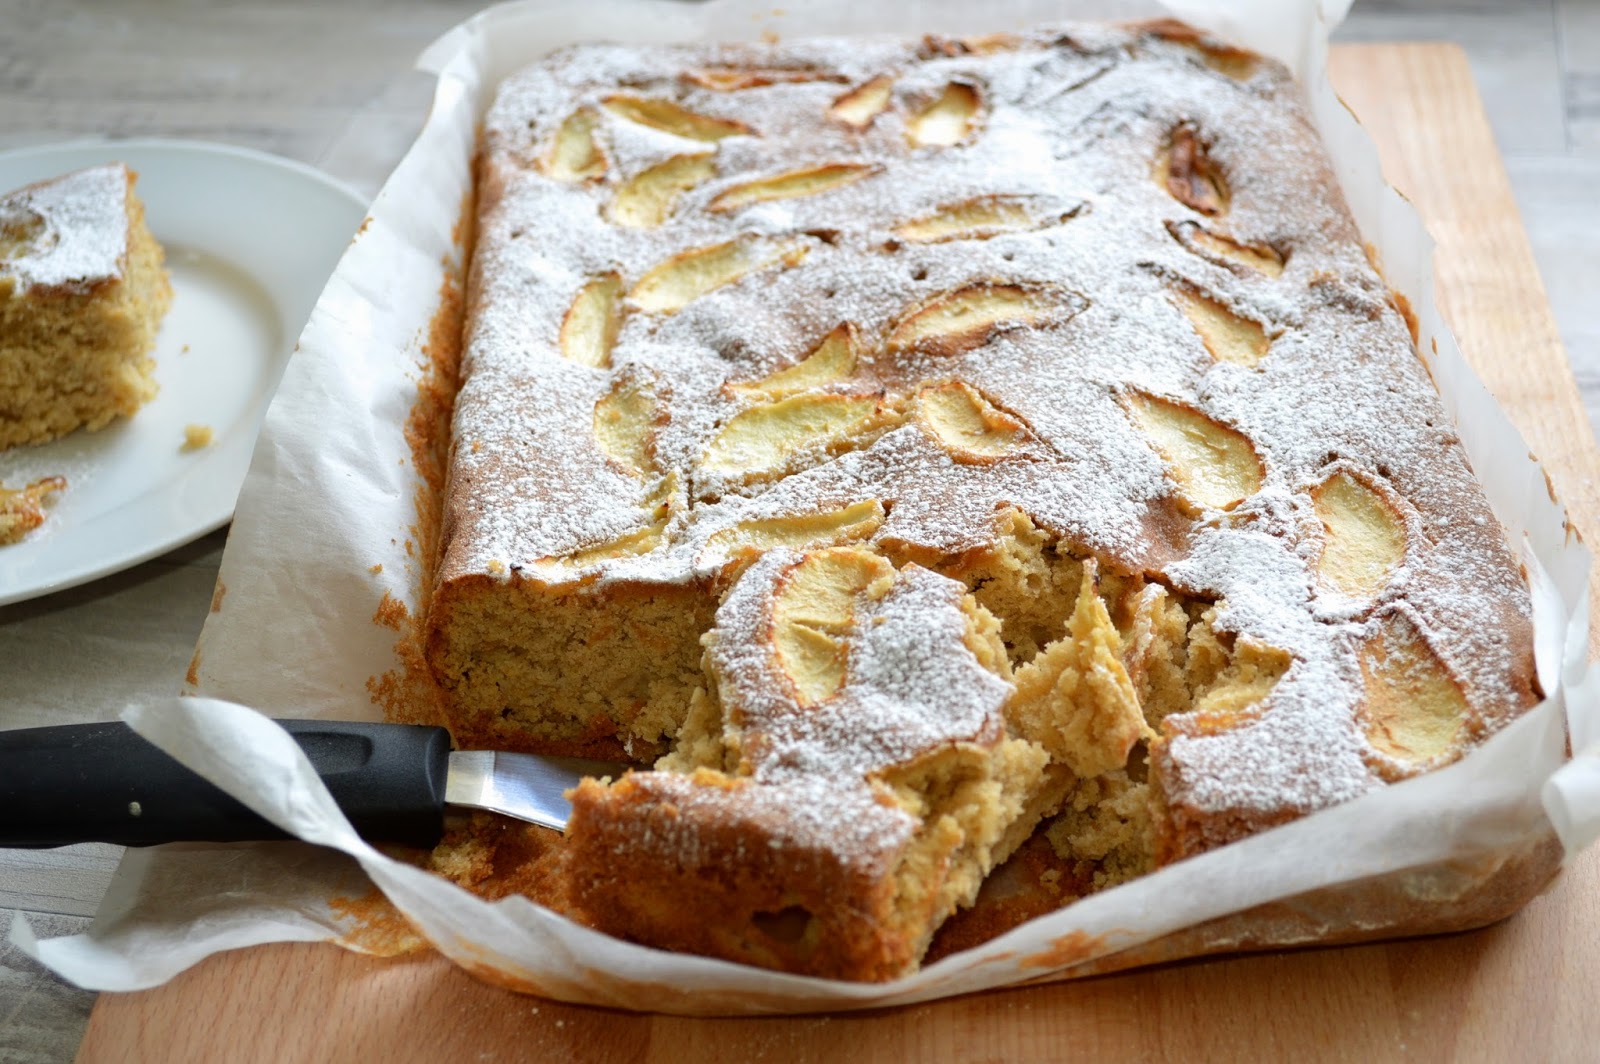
1068, 340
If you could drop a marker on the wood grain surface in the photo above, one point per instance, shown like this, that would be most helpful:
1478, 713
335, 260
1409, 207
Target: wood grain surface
1518, 991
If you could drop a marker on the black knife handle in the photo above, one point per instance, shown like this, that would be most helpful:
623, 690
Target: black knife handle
103, 783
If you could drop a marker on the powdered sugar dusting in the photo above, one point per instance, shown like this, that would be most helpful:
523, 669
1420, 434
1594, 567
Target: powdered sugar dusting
911, 686
800, 814
73, 230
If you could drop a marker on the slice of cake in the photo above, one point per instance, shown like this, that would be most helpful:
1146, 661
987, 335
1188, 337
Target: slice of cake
843, 784
82, 294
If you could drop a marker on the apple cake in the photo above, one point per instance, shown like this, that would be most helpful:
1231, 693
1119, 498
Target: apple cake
82, 295
908, 447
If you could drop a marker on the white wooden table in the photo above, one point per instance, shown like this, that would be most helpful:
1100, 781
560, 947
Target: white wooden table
331, 85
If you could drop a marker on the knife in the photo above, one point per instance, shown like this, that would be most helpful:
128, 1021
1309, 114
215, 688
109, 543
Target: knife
104, 783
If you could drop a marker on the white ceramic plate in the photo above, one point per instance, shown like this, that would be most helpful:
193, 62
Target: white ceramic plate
250, 240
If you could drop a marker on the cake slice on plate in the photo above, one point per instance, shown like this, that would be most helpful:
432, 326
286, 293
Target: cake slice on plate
82, 294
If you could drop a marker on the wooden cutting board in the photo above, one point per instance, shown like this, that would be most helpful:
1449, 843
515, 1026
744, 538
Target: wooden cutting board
1519, 991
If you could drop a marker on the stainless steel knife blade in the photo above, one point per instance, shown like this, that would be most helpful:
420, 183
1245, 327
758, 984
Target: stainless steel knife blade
526, 786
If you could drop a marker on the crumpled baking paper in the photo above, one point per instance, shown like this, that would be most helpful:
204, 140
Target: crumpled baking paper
322, 538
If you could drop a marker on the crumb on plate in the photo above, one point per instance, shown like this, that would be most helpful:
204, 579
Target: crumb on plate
22, 509
196, 437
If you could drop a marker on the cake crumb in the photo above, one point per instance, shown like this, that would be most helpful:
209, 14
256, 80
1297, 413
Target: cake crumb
196, 437
22, 509
391, 612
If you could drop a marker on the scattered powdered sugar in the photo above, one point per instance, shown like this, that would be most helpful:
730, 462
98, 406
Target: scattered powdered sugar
911, 685
1299, 755
1070, 126
912, 650
70, 232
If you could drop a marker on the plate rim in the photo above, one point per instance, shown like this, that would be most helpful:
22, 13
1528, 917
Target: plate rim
158, 546
182, 145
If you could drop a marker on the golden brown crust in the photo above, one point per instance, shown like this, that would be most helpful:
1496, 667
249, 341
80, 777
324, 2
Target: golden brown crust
795, 908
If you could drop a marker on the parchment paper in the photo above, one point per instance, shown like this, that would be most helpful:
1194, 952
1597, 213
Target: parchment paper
323, 535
